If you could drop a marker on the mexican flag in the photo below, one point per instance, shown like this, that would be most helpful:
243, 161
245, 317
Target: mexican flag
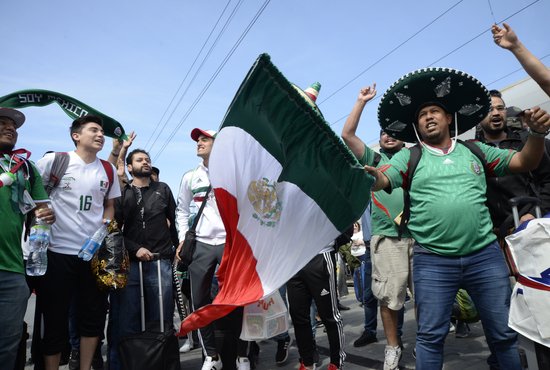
286, 187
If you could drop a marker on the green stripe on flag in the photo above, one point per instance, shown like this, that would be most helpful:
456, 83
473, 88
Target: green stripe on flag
312, 156
71, 106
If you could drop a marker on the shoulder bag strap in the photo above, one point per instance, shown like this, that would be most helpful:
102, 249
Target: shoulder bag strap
199, 213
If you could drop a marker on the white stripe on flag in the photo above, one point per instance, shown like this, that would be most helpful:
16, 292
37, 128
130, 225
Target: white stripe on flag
281, 245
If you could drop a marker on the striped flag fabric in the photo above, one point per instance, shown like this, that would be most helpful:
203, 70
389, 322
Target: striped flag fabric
286, 187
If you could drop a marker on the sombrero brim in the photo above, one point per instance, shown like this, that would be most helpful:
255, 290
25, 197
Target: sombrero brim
458, 91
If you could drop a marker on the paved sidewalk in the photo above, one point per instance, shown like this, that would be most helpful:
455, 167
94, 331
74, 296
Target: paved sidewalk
460, 354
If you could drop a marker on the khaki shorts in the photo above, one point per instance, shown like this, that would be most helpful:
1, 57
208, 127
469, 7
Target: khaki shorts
391, 270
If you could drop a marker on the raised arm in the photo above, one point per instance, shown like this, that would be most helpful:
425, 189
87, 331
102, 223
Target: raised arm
121, 158
356, 145
506, 38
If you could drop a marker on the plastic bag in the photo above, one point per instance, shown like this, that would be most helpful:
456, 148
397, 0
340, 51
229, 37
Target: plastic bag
265, 318
111, 263
464, 308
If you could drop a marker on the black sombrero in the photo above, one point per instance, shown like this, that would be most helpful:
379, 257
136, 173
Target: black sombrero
457, 91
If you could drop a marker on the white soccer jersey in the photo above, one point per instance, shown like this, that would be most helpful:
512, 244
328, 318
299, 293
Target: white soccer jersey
77, 201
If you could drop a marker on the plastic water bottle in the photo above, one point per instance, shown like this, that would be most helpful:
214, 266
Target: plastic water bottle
92, 244
39, 240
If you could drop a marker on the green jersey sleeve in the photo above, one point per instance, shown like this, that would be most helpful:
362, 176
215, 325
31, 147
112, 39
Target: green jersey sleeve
497, 159
368, 157
396, 169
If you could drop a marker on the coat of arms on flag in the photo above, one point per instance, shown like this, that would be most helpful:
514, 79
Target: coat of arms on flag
286, 187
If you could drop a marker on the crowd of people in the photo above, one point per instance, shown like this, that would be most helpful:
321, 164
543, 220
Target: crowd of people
423, 239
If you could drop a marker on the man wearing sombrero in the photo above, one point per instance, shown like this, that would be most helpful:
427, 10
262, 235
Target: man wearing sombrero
455, 246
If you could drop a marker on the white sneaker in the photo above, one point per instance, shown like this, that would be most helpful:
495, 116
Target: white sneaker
392, 357
243, 363
186, 347
211, 364
452, 328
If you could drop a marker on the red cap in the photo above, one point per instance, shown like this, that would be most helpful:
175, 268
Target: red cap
196, 132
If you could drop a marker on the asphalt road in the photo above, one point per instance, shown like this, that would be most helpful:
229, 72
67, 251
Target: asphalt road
460, 354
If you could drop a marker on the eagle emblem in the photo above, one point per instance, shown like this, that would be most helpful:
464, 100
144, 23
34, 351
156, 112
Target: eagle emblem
262, 194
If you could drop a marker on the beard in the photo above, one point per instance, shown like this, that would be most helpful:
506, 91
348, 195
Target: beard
6, 147
141, 173
493, 130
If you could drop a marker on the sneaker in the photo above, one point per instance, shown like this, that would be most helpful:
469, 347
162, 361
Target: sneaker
364, 339
304, 367
462, 330
186, 347
282, 350
243, 363
212, 364
392, 357
74, 360
452, 328
331, 366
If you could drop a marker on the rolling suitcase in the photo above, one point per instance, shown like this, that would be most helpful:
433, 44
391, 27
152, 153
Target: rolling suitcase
152, 348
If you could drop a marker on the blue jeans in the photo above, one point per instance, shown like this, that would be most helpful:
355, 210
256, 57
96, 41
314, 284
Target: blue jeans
436, 281
125, 311
370, 303
14, 294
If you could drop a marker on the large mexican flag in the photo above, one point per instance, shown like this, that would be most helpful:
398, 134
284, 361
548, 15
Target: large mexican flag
286, 187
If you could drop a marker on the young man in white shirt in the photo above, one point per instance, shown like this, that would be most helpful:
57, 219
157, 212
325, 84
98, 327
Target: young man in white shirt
83, 200
210, 244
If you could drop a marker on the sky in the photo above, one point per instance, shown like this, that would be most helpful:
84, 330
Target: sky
128, 59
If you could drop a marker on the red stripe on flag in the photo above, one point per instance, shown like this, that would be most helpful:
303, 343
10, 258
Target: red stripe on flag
239, 282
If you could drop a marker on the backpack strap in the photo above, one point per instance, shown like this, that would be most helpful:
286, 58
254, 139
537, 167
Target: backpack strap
377, 159
476, 150
57, 170
415, 155
110, 173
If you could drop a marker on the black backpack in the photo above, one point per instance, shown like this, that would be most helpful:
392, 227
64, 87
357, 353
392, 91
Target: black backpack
416, 154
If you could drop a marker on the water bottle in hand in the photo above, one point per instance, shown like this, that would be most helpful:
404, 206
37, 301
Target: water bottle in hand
92, 244
39, 240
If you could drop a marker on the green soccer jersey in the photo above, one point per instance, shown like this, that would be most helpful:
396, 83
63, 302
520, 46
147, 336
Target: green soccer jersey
448, 192
385, 207
11, 254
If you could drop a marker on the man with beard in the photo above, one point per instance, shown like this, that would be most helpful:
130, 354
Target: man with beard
455, 247
388, 257
146, 214
15, 181
500, 190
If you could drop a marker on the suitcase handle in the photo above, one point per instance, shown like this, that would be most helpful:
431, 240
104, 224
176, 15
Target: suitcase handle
156, 257
516, 202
